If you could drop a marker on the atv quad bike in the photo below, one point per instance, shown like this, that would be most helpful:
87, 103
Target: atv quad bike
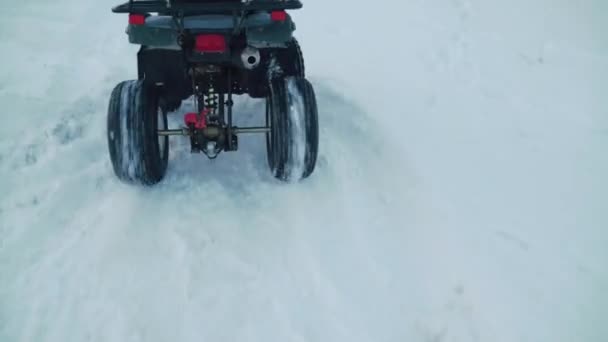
210, 51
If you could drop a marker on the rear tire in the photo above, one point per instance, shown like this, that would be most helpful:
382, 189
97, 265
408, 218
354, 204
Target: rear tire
293, 141
292, 60
279, 62
288, 61
138, 154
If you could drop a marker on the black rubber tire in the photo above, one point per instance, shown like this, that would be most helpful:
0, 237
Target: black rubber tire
279, 62
293, 64
138, 154
290, 61
293, 141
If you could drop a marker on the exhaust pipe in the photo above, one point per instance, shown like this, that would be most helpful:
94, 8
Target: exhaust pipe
250, 57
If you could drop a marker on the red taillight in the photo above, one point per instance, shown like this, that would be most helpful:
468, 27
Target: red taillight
278, 15
210, 43
137, 19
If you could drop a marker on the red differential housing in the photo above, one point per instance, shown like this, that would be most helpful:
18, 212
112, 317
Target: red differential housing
197, 121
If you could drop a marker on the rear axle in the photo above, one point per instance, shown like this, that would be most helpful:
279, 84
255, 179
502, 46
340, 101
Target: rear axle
210, 132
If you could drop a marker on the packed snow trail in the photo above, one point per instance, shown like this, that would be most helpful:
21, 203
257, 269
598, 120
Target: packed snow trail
460, 193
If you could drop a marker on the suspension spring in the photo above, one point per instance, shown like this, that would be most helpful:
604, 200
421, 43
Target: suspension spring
212, 98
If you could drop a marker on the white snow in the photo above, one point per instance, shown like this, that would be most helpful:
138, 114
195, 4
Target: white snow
461, 193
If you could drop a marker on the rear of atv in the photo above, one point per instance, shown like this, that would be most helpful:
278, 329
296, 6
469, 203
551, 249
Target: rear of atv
209, 52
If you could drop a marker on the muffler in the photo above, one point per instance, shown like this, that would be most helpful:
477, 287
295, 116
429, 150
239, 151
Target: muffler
251, 58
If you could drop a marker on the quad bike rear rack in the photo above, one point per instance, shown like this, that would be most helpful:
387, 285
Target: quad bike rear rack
172, 8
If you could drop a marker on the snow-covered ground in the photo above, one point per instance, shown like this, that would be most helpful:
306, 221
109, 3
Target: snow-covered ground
461, 193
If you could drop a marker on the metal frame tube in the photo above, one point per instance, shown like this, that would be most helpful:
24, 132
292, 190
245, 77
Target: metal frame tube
252, 130
185, 132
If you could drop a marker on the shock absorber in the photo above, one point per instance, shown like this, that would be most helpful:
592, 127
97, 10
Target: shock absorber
211, 102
